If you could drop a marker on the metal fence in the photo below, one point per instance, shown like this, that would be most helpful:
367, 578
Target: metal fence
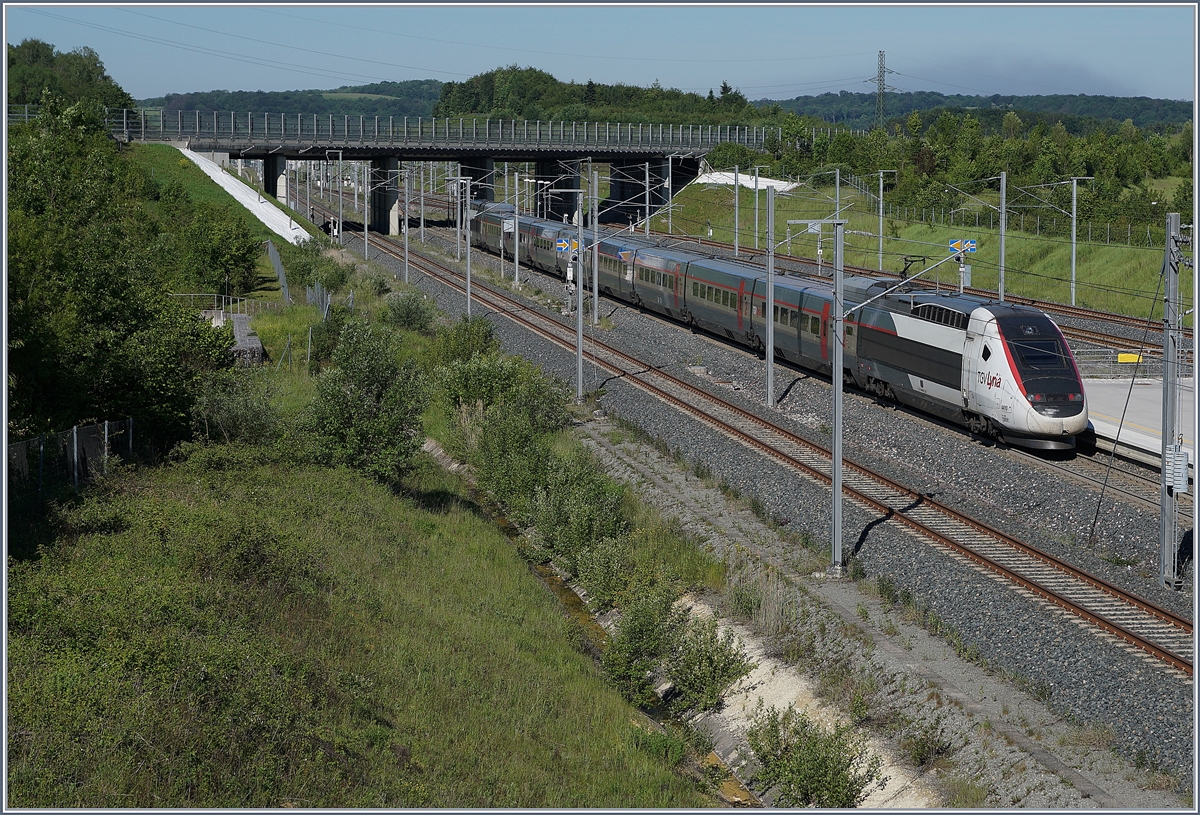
39, 466
226, 303
159, 124
317, 295
1108, 363
277, 262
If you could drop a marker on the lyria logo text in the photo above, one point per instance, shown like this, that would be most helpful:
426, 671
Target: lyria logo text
990, 379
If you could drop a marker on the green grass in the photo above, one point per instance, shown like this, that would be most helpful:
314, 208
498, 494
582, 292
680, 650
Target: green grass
1109, 277
241, 630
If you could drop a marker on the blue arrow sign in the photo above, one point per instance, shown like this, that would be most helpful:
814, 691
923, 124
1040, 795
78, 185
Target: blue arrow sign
962, 245
562, 244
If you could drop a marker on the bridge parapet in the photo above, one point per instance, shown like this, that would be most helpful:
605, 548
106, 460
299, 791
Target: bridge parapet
296, 135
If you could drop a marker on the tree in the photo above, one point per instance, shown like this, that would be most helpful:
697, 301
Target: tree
35, 67
221, 250
913, 124
92, 331
1011, 128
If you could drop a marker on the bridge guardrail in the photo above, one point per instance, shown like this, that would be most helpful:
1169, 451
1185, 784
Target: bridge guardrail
158, 124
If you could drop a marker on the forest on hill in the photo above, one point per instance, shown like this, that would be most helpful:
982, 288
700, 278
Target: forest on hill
1079, 113
413, 98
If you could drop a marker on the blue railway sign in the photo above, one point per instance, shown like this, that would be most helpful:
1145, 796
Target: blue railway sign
962, 245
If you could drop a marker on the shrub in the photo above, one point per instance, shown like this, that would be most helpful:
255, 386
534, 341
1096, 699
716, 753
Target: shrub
464, 339
511, 457
703, 663
925, 742
604, 569
367, 414
411, 311
649, 625
234, 406
578, 505
325, 335
812, 766
375, 282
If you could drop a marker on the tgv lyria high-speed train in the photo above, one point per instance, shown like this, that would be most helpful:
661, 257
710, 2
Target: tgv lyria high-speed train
999, 369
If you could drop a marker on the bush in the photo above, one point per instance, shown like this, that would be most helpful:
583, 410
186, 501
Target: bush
511, 457
604, 569
234, 406
375, 282
325, 335
703, 663
367, 414
579, 505
463, 340
411, 311
812, 766
649, 625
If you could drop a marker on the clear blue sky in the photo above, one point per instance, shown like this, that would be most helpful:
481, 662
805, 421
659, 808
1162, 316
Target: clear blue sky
766, 51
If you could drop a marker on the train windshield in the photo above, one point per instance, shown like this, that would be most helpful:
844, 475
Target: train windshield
1036, 345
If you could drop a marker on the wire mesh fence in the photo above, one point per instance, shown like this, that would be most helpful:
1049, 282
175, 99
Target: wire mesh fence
280, 273
317, 295
42, 466
1108, 363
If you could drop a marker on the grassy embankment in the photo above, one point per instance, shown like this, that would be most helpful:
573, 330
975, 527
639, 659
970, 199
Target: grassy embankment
244, 628
1109, 277
239, 630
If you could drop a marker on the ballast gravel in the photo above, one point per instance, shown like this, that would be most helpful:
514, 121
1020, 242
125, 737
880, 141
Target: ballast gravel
1018, 711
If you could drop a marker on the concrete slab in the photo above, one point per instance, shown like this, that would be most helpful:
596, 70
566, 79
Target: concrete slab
1134, 407
275, 220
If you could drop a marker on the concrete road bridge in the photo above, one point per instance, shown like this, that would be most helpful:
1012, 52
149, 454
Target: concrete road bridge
646, 161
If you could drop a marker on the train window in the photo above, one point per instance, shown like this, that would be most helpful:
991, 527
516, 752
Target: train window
709, 295
724, 298
849, 330
794, 317
695, 289
987, 353
814, 324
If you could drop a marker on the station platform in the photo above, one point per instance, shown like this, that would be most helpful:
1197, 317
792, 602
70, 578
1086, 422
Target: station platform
1140, 403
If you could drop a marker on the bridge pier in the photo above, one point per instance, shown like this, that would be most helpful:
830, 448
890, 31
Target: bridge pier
274, 169
626, 202
482, 172
563, 177
384, 197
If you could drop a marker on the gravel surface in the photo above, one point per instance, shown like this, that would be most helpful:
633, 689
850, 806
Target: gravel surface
1075, 681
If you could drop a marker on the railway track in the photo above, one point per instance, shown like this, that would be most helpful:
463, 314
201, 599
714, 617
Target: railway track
1094, 471
1102, 608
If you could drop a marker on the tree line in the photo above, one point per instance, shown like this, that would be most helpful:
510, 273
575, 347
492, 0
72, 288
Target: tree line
953, 149
1061, 137
396, 99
